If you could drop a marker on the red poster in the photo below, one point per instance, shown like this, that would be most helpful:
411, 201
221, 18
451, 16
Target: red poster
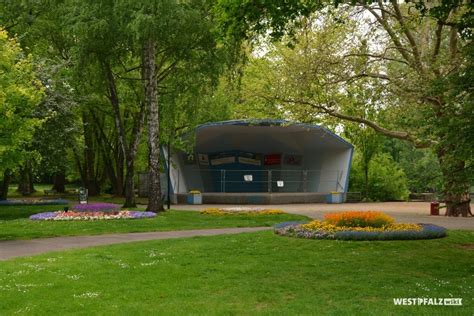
272, 159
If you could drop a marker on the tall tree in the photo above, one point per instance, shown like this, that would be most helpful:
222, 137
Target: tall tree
20, 93
60, 129
171, 36
404, 53
100, 29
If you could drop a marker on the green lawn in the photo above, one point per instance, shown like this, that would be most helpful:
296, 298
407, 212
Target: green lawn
14, 223
255, 273
39, 193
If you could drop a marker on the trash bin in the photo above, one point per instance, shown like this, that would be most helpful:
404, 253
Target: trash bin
335, 198
434, 208
194, 197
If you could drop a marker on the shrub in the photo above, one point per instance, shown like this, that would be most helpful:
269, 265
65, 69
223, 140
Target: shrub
359, 219
387, 181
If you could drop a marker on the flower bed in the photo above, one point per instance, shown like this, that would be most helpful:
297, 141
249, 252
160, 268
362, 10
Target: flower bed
241, 211
359, 219
96, 207
90, 216
34, 202
359, 226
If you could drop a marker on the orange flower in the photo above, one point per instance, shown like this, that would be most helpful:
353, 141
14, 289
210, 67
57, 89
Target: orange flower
359, 219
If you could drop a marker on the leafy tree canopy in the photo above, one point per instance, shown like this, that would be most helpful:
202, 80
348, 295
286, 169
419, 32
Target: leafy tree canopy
20, 93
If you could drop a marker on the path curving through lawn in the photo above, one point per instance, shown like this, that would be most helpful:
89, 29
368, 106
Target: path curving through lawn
10, 249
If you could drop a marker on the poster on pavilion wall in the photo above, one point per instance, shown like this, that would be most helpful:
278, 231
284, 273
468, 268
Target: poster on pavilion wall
272, 159
250, 158
222, 159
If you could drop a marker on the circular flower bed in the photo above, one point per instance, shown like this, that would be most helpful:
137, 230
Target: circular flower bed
359, 226
96, 207
240, 211
90, 216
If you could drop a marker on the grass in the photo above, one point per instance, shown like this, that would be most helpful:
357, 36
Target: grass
69, 195
39, 191
255, 273
14, 223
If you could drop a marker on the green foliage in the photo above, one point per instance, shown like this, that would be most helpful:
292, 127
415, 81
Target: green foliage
20, 93
386, 180
453, 124
421, 166
57, 135
238, 20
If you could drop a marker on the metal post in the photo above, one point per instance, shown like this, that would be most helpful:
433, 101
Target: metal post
222, 187
305, 180
269, 181
223, 180
169, 175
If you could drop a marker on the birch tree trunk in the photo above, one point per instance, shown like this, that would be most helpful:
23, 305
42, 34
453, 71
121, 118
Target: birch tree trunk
155, 203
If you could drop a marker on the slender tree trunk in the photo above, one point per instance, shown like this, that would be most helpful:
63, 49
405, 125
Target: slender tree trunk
127, 152
130, 159
89, 157
4, 184
129, 185
25, 184
366, 182
31, 184
80, 168
119, 174
59, 182
155, 203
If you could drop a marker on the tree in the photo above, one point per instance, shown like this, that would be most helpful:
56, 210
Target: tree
58, 133
421, 166
368, 145
170, 35
405, 54
386, 180
106, 48
20, 93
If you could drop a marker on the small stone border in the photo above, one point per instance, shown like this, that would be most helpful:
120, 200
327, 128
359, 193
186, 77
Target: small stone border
294, 229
